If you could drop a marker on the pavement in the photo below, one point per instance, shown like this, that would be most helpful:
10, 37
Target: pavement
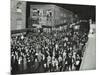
89, 58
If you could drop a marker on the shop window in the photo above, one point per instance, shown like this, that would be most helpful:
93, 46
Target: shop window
35, 12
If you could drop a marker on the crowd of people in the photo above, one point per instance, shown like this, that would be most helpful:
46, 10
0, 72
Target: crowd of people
54, 51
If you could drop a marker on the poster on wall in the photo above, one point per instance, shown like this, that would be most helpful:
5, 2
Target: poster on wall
52, 37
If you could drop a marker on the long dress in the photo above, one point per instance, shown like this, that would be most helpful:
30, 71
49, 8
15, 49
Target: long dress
24, 64
36, 67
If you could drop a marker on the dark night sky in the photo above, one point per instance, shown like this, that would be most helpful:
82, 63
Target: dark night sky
83, 11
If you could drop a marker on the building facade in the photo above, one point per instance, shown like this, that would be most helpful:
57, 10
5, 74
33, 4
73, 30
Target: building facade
49, 15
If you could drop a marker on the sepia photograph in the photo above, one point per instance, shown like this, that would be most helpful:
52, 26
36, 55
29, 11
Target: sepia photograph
52, 37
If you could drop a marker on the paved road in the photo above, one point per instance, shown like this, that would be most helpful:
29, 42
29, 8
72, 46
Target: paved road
89, 59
